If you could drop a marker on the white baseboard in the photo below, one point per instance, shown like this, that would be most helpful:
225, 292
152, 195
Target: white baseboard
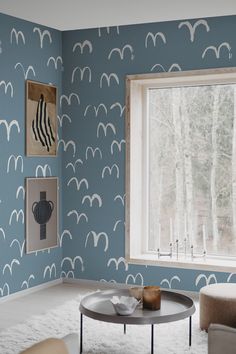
34, 289
107, 285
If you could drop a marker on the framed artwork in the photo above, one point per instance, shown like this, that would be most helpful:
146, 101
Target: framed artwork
41, 119
41, 213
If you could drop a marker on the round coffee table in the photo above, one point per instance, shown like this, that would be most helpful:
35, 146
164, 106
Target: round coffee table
174, 307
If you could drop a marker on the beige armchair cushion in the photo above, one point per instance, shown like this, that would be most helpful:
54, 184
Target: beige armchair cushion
221, 339
48, 346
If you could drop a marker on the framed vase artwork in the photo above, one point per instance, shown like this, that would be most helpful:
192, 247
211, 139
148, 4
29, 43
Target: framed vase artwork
41, 119
41, 213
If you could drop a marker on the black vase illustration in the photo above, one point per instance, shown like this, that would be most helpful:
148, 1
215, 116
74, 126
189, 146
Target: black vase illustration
42, 212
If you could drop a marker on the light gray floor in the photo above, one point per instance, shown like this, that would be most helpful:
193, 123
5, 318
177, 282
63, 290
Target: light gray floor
18, 310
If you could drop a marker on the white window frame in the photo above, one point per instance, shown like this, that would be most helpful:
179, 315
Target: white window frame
136, 212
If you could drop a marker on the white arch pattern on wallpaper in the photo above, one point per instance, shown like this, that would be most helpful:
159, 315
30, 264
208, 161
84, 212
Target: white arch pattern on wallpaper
106, 121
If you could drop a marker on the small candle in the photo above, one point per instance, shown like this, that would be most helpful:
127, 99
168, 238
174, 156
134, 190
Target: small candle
204, 237
171, 231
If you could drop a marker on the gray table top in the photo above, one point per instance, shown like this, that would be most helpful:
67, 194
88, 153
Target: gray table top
174, 307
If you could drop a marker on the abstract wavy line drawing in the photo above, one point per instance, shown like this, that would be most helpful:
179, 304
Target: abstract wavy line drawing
153, 38
192, 28
134, 279
121, 52
68, 99
169, 282
9, 266
64, 234
173, 67
96, 238
42, 170
43, 35
93, 198
93, 152
9, 126
117, 262
66, 145
78, 183
27, 71
82, 73
206, 279
119, 106
109, 170
55, 61
49, 269
41, 127
21, 246
118, 144
26, 283
17, 159
217, 50
17, 214
105, 128
7, 86
82, 46
62, 118
73, 261
17, 35
78, 216
108, 79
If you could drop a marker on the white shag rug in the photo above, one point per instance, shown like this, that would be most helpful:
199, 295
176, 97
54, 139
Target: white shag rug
101, 337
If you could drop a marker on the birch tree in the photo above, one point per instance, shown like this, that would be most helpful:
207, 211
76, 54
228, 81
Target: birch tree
234, 164
216, 92
179, 168
187, 166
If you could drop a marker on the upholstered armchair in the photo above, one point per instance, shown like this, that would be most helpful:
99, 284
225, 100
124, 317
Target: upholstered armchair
221, 339
67, 345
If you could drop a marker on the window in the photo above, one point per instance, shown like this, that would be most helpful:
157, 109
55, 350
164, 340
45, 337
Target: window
181, 169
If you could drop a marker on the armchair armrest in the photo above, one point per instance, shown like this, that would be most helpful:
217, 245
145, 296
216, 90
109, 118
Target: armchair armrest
72, 343
221, 339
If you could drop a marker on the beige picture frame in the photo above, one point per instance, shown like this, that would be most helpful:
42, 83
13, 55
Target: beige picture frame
41, 119
41, 211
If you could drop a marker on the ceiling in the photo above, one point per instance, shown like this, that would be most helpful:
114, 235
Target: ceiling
78, 14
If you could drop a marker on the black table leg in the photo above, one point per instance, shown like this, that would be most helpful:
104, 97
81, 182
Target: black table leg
124, 328
190, 331
81, 333
152, 339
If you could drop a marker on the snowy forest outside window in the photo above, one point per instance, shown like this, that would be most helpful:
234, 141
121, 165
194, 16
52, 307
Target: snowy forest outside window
181, 166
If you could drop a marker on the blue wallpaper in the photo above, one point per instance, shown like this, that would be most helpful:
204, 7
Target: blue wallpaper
96, 62
89, 68
25, 52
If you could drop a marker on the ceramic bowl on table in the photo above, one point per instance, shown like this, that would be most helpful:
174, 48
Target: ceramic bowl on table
124, 305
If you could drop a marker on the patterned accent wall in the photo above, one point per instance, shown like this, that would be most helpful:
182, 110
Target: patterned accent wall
27, 51
96, 62
91, 150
